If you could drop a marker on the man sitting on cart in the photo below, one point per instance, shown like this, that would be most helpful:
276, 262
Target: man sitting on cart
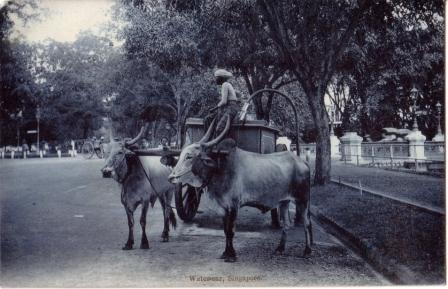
228, 105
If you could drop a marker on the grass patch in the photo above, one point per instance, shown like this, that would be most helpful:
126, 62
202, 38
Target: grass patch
404, 235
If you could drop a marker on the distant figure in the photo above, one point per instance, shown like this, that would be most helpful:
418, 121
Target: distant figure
25, 147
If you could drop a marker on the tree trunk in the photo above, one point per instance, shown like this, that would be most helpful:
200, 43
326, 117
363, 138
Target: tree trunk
267, 112
179, 121
258, 103
322, 172
1, 133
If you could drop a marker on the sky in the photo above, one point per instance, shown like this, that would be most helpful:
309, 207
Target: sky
64, 19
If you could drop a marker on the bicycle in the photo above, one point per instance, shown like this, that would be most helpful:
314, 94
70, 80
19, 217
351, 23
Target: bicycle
89, 148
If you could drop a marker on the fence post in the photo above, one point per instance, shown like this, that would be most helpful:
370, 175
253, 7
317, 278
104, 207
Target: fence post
3, 154
41, 154
12, 154
308, 154
416, 145
357, 160
351, 142
391, 156
416, 165
59, 153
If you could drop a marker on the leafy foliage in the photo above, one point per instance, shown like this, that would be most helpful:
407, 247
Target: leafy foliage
16, 84
71, 91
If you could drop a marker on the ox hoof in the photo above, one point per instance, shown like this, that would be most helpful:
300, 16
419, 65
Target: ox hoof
230, 259
226, 255
165, 237
127, 247
144, 246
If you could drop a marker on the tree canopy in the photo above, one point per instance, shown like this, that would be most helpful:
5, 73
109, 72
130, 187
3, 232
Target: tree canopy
363, 56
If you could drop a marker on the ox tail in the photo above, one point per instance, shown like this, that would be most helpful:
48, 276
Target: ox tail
172, 217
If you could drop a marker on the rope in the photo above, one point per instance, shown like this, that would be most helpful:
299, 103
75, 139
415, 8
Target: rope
147, 177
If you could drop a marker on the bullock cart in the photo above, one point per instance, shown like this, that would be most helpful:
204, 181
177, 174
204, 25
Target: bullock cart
250, 135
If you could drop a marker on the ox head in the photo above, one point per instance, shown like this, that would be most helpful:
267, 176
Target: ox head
195, 165
121, 157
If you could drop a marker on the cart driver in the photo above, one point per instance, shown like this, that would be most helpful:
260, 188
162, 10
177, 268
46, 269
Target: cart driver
228, 105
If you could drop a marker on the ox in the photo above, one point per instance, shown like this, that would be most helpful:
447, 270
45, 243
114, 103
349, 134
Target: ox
143, 180
237, 178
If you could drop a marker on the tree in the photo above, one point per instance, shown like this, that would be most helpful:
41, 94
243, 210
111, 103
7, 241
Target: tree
383, 63
70, 87
314, 35
166, 41
232, 37
15, 77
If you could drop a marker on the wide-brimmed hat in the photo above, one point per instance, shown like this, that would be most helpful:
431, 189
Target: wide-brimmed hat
223, 73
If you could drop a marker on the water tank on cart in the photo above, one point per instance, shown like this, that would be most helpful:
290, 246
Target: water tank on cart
254, 135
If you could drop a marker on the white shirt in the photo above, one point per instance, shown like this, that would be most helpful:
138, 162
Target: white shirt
227, 93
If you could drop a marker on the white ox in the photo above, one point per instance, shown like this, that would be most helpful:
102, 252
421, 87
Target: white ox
237, 178
144, 180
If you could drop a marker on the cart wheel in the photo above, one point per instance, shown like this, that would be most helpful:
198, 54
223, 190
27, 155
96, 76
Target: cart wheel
187, 200
87, 150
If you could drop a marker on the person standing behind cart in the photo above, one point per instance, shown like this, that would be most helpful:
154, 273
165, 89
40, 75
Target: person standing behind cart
227, 106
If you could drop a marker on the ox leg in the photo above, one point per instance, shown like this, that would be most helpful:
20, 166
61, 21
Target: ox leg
274, 219
166, 222
284, 221
229, 254
307, 227
144, 243
130, 242
298, 219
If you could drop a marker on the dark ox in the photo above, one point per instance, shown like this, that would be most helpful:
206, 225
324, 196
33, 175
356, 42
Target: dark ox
237, 178
144, 180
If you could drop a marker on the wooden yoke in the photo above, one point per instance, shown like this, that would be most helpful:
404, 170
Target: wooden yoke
157, 152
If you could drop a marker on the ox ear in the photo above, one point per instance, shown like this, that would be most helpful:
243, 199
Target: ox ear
168, 161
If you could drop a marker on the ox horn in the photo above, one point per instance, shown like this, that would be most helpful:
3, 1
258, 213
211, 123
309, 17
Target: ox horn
219, 137
208, 133
139, 136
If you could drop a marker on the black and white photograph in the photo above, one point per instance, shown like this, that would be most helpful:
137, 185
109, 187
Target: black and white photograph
222, 143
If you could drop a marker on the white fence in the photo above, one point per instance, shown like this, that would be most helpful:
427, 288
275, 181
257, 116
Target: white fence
385, 152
